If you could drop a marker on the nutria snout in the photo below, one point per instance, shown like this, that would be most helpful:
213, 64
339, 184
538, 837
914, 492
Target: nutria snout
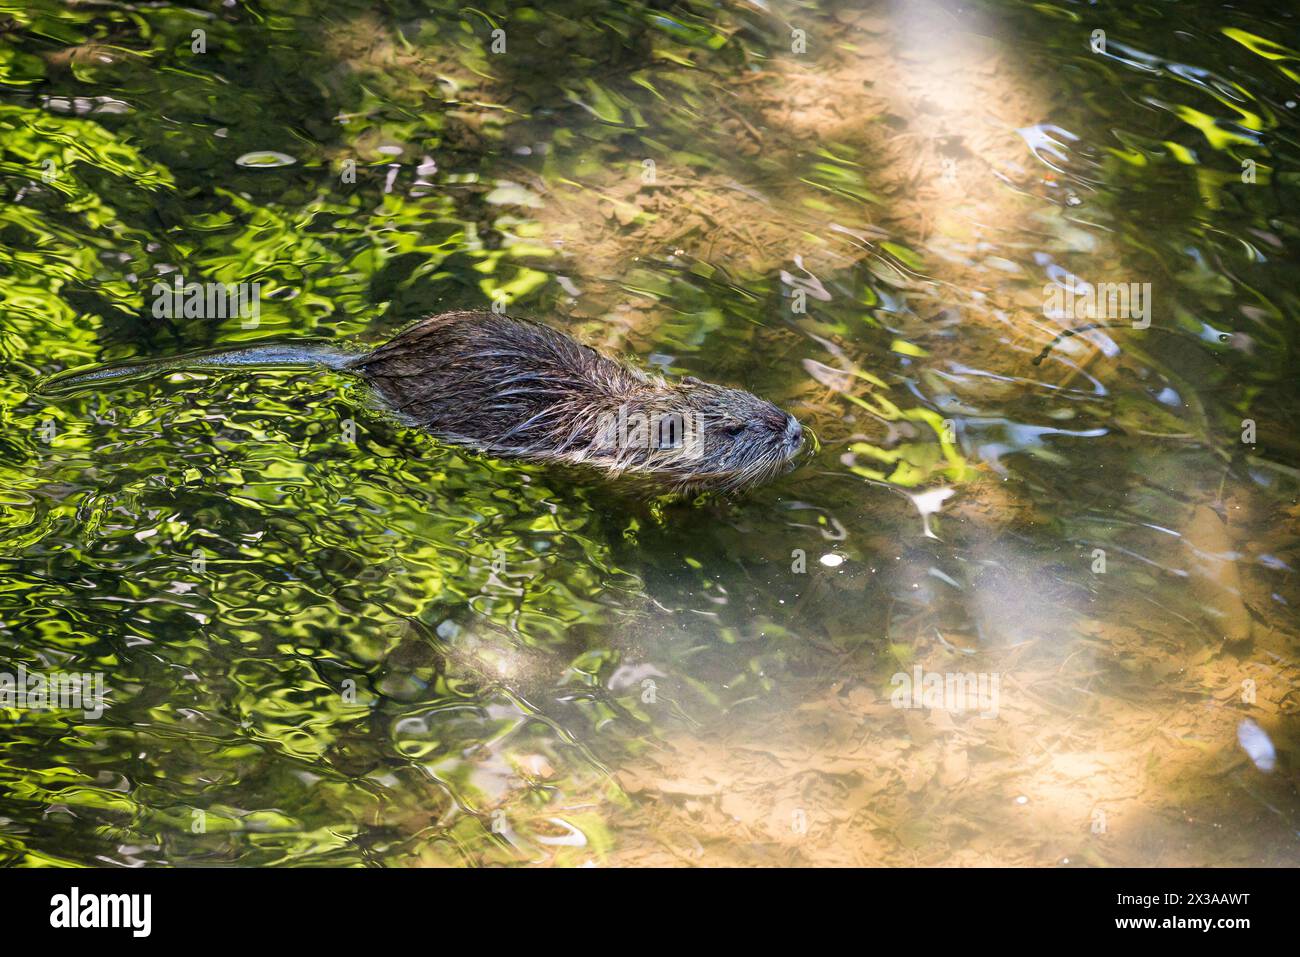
515, 388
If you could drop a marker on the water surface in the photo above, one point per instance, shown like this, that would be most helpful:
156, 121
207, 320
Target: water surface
328, 639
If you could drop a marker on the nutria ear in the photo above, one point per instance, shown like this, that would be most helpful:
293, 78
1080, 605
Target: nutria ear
691, 380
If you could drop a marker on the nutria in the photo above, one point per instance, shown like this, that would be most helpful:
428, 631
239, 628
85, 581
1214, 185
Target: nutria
513, 388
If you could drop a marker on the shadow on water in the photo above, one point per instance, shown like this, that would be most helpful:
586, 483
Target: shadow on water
1014, 611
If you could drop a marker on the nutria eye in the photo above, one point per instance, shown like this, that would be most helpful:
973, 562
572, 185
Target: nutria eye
734, 430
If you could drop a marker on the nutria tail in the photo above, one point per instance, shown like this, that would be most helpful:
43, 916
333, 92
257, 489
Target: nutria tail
514, 388
302, 353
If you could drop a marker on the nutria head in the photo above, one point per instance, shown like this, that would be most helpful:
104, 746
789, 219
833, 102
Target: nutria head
690, 436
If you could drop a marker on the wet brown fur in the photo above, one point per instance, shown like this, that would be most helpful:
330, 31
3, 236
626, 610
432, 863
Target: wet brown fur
518, 389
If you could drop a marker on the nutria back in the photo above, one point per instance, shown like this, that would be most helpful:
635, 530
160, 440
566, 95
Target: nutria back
514, 388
